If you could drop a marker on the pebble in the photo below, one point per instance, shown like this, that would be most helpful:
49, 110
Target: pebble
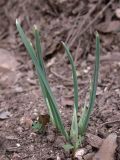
79, 154
117, 12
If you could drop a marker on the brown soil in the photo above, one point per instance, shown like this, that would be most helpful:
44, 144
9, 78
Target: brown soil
20, 94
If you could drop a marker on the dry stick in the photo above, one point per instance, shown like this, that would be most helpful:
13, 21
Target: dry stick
96, 17
60, 76
77, 52
84, 30
67, 82
81, 25
114, 57
73, 32
108, 123
52, 6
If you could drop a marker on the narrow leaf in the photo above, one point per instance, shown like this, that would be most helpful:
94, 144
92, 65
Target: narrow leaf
74, 126
87, 111
74, 76
38, 48
43, 81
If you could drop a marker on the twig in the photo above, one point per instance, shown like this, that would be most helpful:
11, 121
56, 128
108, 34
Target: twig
72, 29
96, 17
82, 31
73, 37
52, 6
73, 32
108, 123
60, 76
108, 57
77, 52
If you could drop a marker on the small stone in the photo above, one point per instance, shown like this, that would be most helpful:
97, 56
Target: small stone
58, 157
18, 89
5, 115
79, 154
17, 144
117, 12
33, 135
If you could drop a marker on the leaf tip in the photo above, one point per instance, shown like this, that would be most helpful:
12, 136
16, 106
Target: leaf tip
97, 34
62, 43
35, 27
17, 22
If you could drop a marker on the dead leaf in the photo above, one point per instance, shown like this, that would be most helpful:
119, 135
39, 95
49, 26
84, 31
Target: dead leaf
4, 115
8, 66
94, 140
108, 27
44, 119
107, 149
7, 60
7, 77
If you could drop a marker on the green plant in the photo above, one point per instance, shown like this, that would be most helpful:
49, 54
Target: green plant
77, 132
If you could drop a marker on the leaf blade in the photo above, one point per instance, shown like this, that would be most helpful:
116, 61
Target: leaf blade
87, 111
43, 81
74, 126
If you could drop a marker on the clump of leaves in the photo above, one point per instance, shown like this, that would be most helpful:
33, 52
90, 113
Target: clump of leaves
77, 132
40, 124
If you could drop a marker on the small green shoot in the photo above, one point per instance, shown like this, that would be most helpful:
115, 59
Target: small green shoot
38, 127
75, 136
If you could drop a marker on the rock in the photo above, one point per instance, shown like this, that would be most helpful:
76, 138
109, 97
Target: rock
5, 115
117, 12
107, 149
18, 89
79, 154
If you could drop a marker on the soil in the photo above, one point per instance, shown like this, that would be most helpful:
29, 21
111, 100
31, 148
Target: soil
75, 23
